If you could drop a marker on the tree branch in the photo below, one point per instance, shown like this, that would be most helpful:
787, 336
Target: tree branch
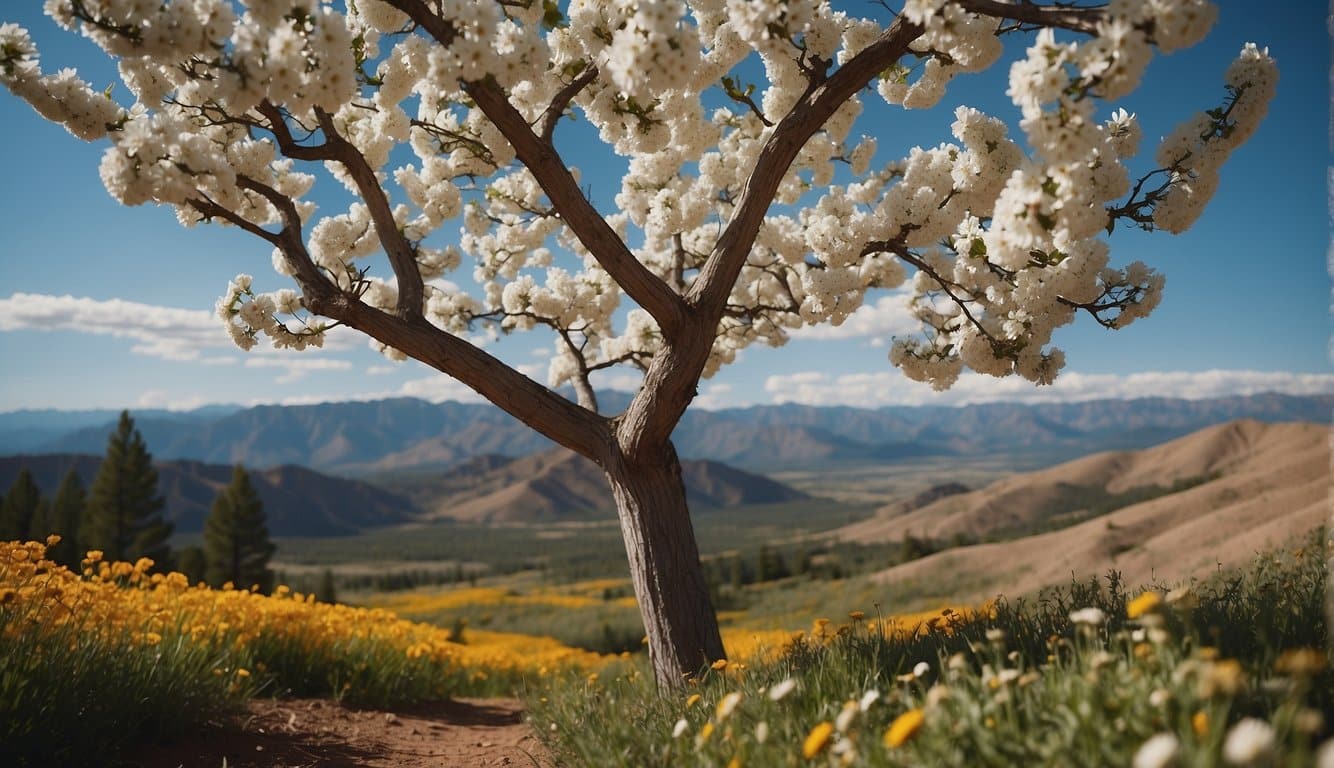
715, 280
542, 160
669, 384
562, 100
1075, 18
402, 256
570, 425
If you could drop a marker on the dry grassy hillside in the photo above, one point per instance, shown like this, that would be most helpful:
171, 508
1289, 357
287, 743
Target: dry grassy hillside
560, 485
1266, 483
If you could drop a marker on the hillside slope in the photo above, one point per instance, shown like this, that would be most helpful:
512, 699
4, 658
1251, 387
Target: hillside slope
1267, 483
558, 485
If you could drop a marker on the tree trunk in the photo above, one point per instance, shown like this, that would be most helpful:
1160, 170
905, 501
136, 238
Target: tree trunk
664, 566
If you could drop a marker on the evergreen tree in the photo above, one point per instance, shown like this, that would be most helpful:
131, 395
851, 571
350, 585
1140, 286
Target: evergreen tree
21, 503
66, 515
192, 564
124, 513
325, 592
236, 537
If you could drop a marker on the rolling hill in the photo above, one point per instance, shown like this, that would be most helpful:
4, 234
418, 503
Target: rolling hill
560, 485
1225, 493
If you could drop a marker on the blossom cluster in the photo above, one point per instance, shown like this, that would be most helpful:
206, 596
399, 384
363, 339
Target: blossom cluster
999, 246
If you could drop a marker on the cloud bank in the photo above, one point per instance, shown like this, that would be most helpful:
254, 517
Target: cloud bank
870, 390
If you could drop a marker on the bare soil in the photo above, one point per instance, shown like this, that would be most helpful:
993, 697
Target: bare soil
304, 733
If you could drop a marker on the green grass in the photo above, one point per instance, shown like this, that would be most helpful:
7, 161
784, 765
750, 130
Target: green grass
1026, 687
68, 700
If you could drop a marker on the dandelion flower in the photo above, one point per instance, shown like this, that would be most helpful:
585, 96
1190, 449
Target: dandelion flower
243, 672
719, 665
692, 700
782, 689
904, 727
1248, 742
1088, 617
1199, 722
726, 704
856, 615
1143, 605
845, 716
817, 740
1159, 751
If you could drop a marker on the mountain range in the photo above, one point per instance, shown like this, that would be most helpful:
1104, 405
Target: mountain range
297, 501
553, 486
409, 435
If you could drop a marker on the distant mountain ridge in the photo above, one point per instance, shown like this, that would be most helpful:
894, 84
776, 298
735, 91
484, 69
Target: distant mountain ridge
297, 501
552, 486
404, 435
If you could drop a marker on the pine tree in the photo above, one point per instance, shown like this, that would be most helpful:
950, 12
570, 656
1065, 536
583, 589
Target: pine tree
325, 591
21, 503
236, 537
191, 563
124, 513
66, 516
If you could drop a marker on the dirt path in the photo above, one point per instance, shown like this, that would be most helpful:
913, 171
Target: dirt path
304, 733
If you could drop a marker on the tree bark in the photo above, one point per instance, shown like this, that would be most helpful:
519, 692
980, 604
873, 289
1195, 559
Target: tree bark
668, 579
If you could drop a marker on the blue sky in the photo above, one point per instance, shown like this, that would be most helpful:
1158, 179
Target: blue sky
106, 306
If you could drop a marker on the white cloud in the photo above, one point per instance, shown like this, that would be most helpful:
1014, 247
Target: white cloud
166, 333
870, 390
296, 368
157, 398
438, 388
888, 316
621, 381
535, 371
715, 397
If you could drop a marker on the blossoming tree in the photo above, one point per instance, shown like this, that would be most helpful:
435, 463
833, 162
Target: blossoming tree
728, 229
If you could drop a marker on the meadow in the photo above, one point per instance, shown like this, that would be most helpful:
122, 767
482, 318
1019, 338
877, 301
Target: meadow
1233, 670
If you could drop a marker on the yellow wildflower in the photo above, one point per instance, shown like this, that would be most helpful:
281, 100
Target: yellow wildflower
243, 672
817, 740
856, 615
904, 727
691, 700
1300, 661
1146, 603
1199, 723
719, 665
